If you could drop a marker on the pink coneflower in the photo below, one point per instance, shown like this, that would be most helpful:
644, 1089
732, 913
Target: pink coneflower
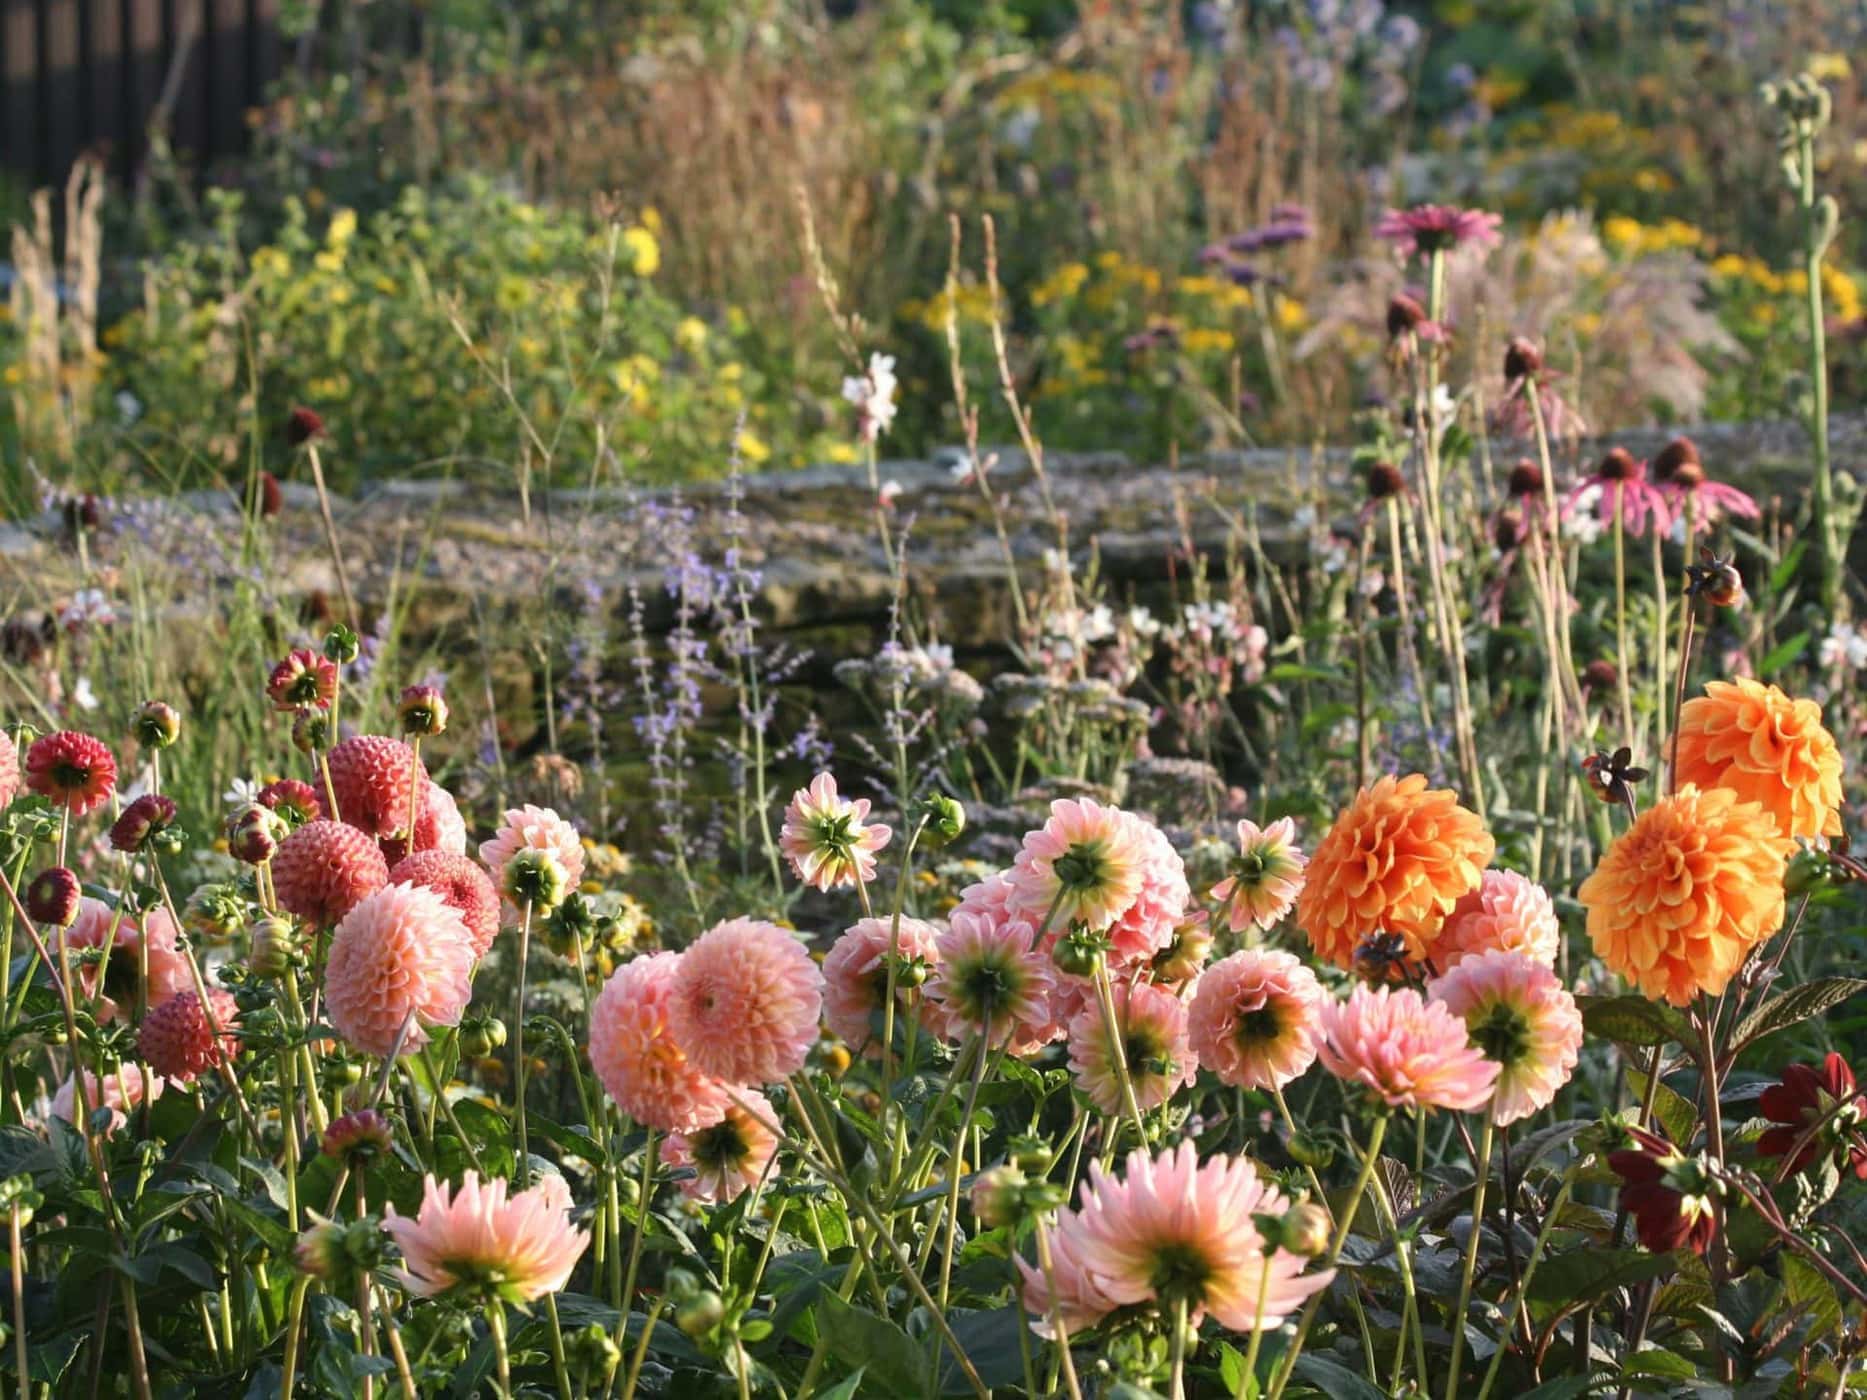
1507, 911
746, 1002
1407, 1051
994, 981
731, 1156
1266, 876
462, 884
485, 1241
177, 1040
1524, 1021
75, 771
372, 778
1253, 1018
1170, 1232
401, 957
1439, 228
540, 829
1681, 475
1086, 864
304, 680
123, 1091
9, 769
111, 983
1147, 925
322, 870
825, 839
855, 975
1152, 1023
1619, 483
1514, 415
638, 1059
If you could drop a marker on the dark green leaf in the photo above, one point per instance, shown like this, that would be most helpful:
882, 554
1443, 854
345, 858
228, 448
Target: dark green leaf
1334, 1380
1634, 1021
1783, 654
886, 1354
990, 1339
1793, 1007
1676, 1114
1589, 1273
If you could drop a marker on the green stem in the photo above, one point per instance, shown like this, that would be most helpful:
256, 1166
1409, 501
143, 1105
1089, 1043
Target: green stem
496, 1324
1529, 1273
1111, 1025
1483, 1165
518, 1047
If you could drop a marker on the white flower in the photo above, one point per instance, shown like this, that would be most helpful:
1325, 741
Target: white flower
1445, 409
1097, 625
1583, 523
82, 695
962, 469
874, 394
87, 606
1143, 623
1335, 555
241, 792
129, 407
1304, 517
1845, 648
890, 489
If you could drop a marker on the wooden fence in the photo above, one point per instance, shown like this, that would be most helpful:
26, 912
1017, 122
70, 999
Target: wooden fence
88, 76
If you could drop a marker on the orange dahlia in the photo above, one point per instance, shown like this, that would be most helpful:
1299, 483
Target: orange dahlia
1766, 748
1396, 861
1683, 895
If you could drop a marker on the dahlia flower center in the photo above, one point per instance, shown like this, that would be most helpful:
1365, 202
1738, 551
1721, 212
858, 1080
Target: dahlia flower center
1253, 866
1259, 1025
1081, 868
1146, 1053
720, 1148
988, 986
1503, 1034
835, 832
68, 774
1180, 1271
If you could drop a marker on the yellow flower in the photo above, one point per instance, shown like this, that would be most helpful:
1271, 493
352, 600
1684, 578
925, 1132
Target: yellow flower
691, 334
643, 249
343, 227
842, 452
1061, 285
1292, 315
1825, 67
271, 262
329, 261
752, 447
1205, 340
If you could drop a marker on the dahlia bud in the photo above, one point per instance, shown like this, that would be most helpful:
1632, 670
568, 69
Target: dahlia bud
1384, 481
17, 1193
1032, 1154
1725, 588
1808, 870
481, 1035
275, 947
423, 711
303, 426
340, 1073
946, 819
337, 1255
1305, 1230
311, 732
1526, 480
341, 645
292, 801
357, 1136
1600, 674
215, 913
700, 1314
574, 924
1185, 954
1522, 359
144, 819
536, 878
1077, 951
254, 833
1307, 1151
594, 1350
52, 897
1508, 530
303, 680
997, 1196
156, 725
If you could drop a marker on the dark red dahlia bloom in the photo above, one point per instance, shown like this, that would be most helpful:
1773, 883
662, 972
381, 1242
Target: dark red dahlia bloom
303, 426
1817, 1112
1669, 1195
148, 816
74, 770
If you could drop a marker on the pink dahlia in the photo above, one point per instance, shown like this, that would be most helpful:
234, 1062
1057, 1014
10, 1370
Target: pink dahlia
324, 869
110, 984
994, 981
438, 827
484, 1239
1172, 1231
76, 771
123, 1091
294, 801
179, 1040
372, 778
1086, 864
1147, 925
460, 882
855, 976
401, 957
1254, 1017
1266, 876
1409, 1052
1507, 911
538, 829
729, 1157
1439, 228
638, 1059
1522, 1019
746, 1002
825, 838
1153, 1040
9, 769
304, 680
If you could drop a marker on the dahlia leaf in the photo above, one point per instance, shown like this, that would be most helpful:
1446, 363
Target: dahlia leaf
1568, 1279
1793, 1007
1676, 1114
1634, 1021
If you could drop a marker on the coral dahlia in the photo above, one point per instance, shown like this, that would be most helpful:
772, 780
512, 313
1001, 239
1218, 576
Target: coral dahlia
177, 1040
324, 869
1408, 1052
855, 976
1254, 1017
1266, 876
636, 1056
746, 1002
486, 1239
461, 882
401, 957
1508, 912
1524, 1021
729, 1157
75, 771
1152, 1024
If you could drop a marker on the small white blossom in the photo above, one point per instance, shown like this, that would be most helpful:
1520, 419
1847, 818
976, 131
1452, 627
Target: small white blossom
241, 792
873, 394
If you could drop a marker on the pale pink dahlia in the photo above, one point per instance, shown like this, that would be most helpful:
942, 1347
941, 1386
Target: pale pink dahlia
1147, 925
462, 884
1266, 876
1079, 1301
855, 976
9, 769
373, 777
401, 957
825, 838
637, 1058
540, 829
1507, 911
1524, 1021
731, 1156
1086, 864
1253, 1018
482, 1240
123, 1091
1409, 1052
110, 985
746, 1002
994, 981
1173, 1231
323, 869
1153, 1032
438, 827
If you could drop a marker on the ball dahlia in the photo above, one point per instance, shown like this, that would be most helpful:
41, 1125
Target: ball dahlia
487, 1240
539, 829
1767, 748
1253, 1018
746, 1001
373, 778
1407, 1051
459, 881
855, 976
1508, 912
401, 957
75, 771
1682, 896
179, 1040
637, 1058
1147, 925
324, 869
1524, 1021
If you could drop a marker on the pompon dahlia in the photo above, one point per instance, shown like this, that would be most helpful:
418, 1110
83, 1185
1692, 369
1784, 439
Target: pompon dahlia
731, 1156
1524, 1021
438, 827
75, 771
1086, 864
1397, 860
488, 1241
825, 836
746, 1002
148, 816
1407, 1051
402, 956
1682, 896
1254, 1017
855, 977
1765, 747
372, 778
111, 984
1153, 1041
1508, 912
1818, 1112
1172, 1231
124, 1089
992, 980
323, 869
1266, 876
1147, 925
294, 802
178, 1042
460, 882
539, 829
637, 1058
9, 769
